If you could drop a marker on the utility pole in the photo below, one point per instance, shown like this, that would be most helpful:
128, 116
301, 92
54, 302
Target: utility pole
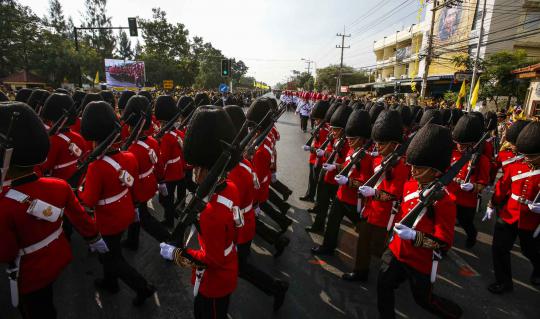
478, 44
342, 47
308, 61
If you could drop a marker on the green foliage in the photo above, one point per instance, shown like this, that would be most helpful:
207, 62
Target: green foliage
327, 77
450, 96
124, 47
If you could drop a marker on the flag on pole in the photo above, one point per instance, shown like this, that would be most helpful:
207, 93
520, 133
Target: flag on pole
474, 97
461, 95
96, 80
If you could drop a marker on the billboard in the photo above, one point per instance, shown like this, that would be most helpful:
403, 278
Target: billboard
124, 73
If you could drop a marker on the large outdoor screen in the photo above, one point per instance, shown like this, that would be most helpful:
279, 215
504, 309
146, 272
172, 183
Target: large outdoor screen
124, 73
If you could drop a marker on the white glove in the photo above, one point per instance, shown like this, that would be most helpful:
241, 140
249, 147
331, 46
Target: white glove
488, 214
319, 152
366, 191
328, 167
274, 177
535, 208
100, 246
404, 232
341, 180
163, 189
374, 153
166, 251
258, 211
467, 187
306, 148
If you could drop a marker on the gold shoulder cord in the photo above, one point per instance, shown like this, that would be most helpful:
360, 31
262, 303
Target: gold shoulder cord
427, 241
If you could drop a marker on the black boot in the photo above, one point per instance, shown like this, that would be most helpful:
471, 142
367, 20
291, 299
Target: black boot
280, 245
499, 288
101, 284
322, 251
355, 276
142, 296
279, 288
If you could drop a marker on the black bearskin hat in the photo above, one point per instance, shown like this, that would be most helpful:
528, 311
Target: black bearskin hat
124, 98
358, 124
480, 117
416, 114
183, 102
137, 105
388, 127
90, 97
513, 131
23, 95
328, 115
528, 141
468, 129
165, 108
108, 97
3, 97
61, 90
78, 97
147, 95
257, 111
319, 109
98, 121
375, 110
456, 115
431, 147
446, 116
201, 99
490, 119
405, 113
209, 126
340, 116
29, 136
37, 98
55, 106
432, 116
273, 104
238, 118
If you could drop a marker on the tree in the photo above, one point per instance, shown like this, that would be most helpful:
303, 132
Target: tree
327, 77
137, 51
238, 70
56, 17
124, 46
96, 16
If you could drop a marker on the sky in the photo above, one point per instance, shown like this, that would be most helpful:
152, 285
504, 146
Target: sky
271, 36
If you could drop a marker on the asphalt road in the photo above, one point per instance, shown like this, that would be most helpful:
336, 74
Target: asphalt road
316, 291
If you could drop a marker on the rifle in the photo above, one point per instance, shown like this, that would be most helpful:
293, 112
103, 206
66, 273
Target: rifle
55, 128
323, 146
6, 148
169, 125
535, 201
97, 153
337, 148
315, 132
355, 158
205, 190
429, 194
261, 137
135, 133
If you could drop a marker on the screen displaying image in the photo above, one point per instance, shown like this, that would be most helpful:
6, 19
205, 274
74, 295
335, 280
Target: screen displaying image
124, 73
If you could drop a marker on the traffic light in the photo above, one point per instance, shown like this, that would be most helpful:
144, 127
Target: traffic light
225, 67
132, 22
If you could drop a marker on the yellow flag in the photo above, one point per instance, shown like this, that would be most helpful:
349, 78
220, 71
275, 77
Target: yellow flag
474, 97
461, 95
96, 80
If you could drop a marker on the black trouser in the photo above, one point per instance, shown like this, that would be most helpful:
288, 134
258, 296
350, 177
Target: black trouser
393, 273
210, 308
504, 237
38, 304
281, 188
303, 122
116, 267
68, 227
150, 224
281, 219
465, 217
265, 232
338, 210
247, 271
274, 198
325, 193
190, 184
314, 172
312, 121
168, 201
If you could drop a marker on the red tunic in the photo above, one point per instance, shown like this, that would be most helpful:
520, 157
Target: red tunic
505, 158
147, 175
339, 159
440, 226
218, 252
515, 183
61, 162
19, 230
171, 156
378, 212
480, 175
102, 182
317, 142
262, 163
360, 173
242, 176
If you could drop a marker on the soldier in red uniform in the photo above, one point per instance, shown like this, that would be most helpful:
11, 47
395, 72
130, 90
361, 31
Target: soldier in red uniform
31, 233
410, 253
358, 132
338, 122
508, 153
467, 132
518, 192
217, 229
382, 201
244, 177
172, 159
318, 114
112, 186
146, 150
